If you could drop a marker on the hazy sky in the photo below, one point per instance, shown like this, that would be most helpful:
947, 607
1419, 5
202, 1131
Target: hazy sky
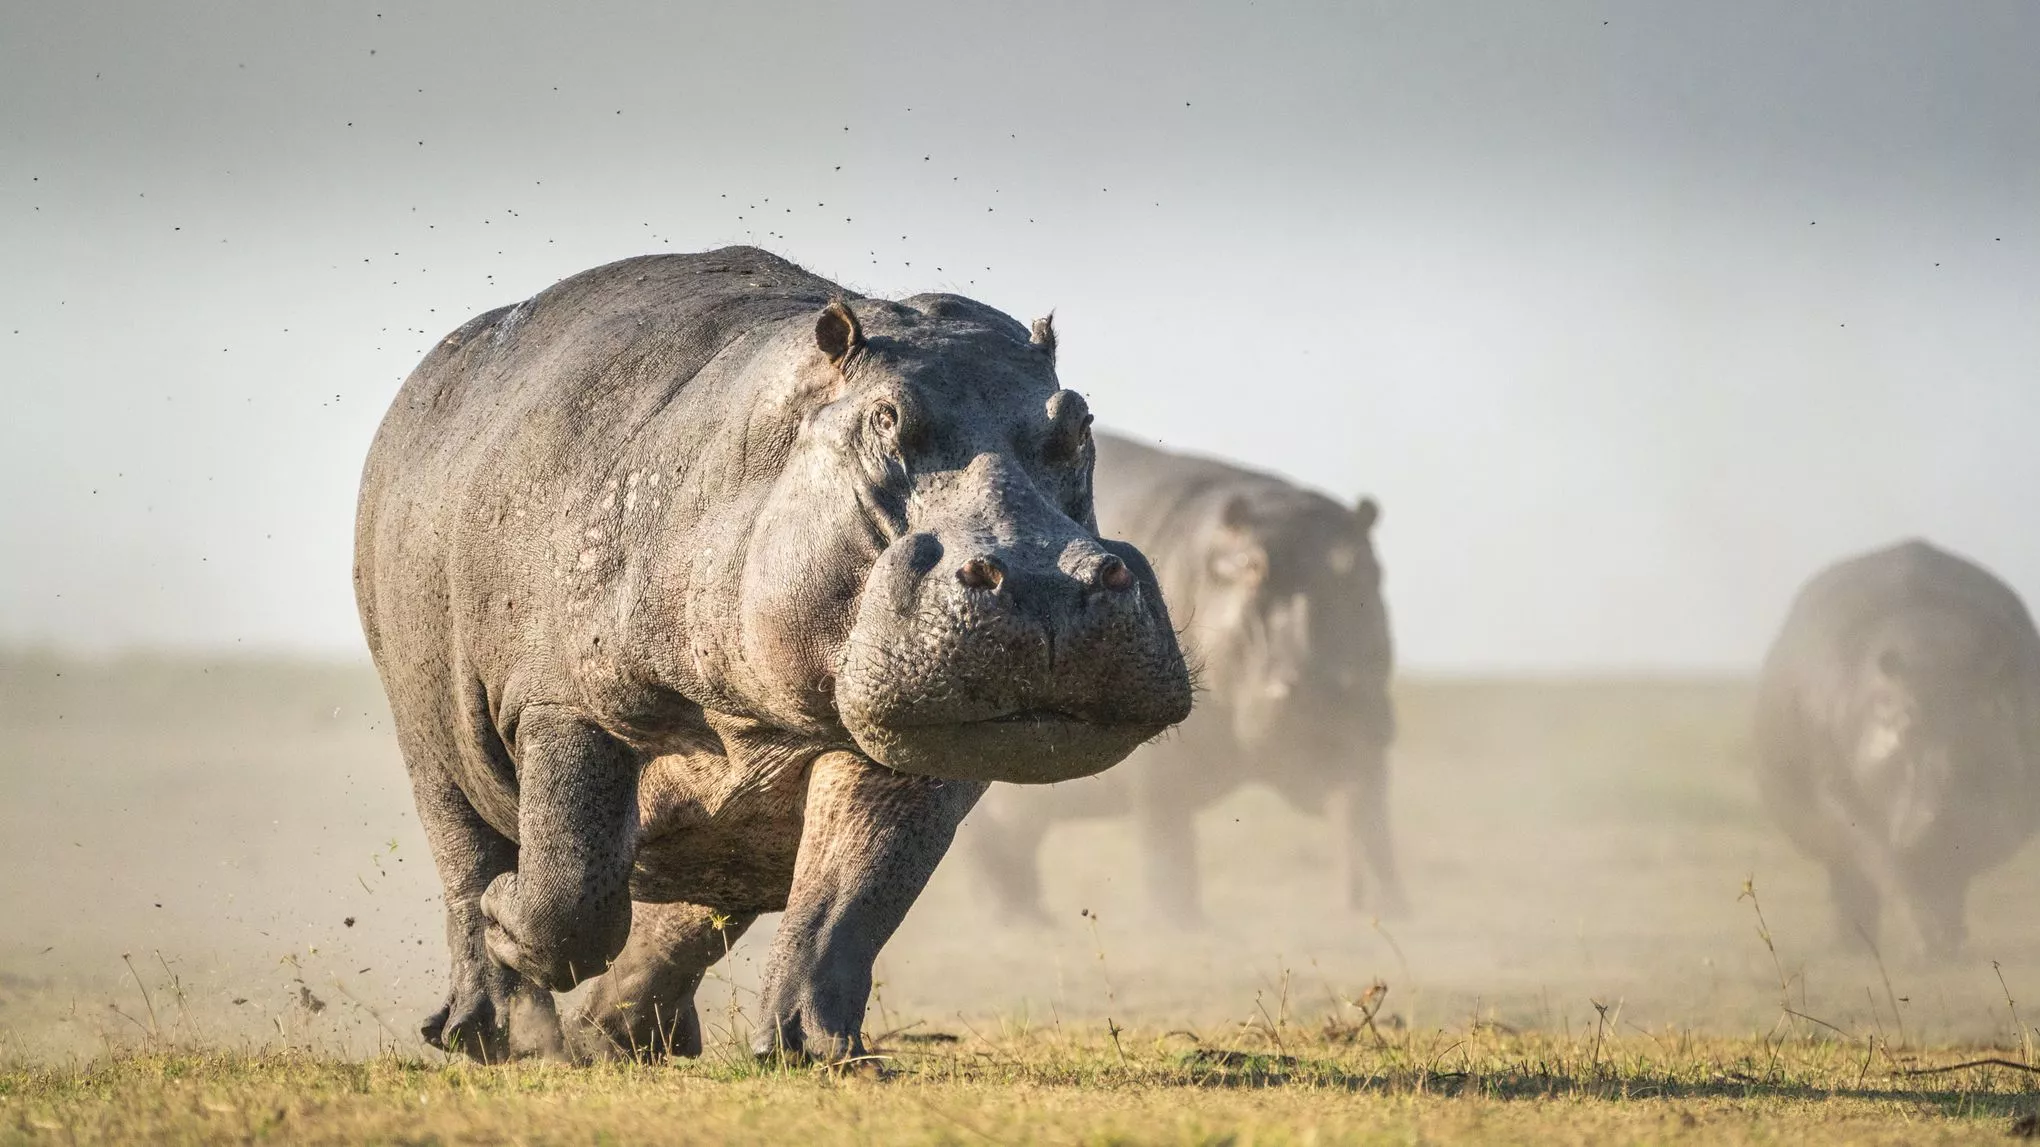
1631, 315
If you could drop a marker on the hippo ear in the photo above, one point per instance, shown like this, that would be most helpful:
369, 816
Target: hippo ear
837, 332
1368, 511
1043, 334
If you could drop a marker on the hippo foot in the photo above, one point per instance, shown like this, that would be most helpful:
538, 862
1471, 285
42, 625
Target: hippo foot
873, 1067
623, 1034
788, 1040
493, 1016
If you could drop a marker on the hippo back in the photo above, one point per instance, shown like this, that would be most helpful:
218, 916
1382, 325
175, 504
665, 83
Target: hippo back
548, 390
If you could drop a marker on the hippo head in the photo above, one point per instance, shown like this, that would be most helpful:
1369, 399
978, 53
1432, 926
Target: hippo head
927, 574
1942, 723
1291, 620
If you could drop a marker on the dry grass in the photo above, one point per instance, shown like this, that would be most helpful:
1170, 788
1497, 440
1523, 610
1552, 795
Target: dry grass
1040, 1087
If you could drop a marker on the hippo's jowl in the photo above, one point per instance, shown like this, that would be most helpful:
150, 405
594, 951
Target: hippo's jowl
1898, 734
700, 590
1279, 595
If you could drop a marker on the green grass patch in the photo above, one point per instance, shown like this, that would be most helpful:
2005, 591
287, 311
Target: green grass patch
1043, 1087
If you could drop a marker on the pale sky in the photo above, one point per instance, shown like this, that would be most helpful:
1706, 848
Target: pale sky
1631, 315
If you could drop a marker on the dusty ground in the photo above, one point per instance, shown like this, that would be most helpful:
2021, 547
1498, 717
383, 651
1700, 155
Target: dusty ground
222, 856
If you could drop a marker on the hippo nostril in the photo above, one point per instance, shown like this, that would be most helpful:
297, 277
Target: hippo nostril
980, 573
1113, 574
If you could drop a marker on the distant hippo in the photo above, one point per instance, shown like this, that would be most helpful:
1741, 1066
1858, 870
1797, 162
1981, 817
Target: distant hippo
702, 588
1279, 594
1898, 734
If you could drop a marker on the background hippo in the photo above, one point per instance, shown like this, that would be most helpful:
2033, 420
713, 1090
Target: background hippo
697, 585
1898, 734
1279, 594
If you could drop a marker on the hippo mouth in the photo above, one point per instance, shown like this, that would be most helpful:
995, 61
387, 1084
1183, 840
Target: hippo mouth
1025, 716
1024, 746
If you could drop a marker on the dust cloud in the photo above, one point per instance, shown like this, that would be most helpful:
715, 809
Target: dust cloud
224, 851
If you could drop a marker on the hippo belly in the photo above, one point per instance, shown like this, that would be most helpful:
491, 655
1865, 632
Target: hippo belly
717, 836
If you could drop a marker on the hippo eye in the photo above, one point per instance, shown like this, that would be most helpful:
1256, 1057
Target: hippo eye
885, 417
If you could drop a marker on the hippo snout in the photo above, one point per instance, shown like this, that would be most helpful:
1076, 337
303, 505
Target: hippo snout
1085, 567
1031, 662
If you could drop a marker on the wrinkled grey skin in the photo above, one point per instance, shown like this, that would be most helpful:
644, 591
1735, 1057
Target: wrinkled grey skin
1278, 591
697, 596
1898, 735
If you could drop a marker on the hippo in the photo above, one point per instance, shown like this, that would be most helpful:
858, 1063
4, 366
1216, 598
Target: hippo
703, 588
1898, 736
1279, 592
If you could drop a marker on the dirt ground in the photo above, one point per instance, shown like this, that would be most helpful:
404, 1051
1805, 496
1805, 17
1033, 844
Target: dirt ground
226, 851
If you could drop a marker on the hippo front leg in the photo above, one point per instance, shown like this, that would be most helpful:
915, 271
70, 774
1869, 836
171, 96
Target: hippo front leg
564, 914
1363, 842
870, 840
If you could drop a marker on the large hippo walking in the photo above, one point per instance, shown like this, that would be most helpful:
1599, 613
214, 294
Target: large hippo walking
1278, 591
701, 589
1898, 734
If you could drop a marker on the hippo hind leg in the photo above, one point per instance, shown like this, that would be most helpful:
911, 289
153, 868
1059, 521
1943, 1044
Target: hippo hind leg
1168, 845
1856, 904
1936, 895
1359, 816
491, 1013
643, 1006
1004, 845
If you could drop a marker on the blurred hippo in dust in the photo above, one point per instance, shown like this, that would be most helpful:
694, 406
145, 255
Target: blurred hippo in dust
1278, 591
703, 589
1898, 735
